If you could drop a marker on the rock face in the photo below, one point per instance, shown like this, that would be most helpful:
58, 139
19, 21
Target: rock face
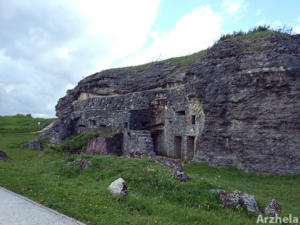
238, 198
272, 208
118, 187
3, 155
238, 105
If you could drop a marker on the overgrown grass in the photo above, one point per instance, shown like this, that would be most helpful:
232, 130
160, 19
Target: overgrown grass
74, 143
262, 31
154, 197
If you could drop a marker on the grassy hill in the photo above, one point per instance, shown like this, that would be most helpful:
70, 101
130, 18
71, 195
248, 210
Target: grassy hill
154, 197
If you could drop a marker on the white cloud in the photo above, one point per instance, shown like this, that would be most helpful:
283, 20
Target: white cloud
195, 31
296, 30
233, 6
48, 46
126, 23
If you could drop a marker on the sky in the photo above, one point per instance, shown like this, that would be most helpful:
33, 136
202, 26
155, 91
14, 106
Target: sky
47, 47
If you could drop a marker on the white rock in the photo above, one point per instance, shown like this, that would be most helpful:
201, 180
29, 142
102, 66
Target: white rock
118, 187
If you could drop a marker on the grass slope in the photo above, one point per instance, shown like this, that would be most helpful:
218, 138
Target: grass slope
154, 197
22, 124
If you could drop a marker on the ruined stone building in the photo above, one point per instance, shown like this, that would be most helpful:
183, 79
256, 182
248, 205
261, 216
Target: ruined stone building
237, 105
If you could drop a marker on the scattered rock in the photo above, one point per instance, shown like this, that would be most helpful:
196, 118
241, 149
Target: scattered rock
238, 198
165, 161
34, 145
273, 208
176, 170
150, 169
179, 175
3, 155
118, 187
82, 163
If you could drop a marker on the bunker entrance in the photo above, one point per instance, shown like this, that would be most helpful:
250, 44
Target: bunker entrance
177, 147
157, 137
190, 147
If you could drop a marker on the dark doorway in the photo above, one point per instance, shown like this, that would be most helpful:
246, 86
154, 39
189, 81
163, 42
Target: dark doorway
157, 137
181, 113
177, 147
190, 147
193, 119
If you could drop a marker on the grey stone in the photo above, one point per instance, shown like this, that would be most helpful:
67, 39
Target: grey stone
272, 208
238, 105
179, 175
238, 198
82, 163
34, 145
176, 169
3, 155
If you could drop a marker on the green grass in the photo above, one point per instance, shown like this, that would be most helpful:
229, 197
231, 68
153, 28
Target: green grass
259, 32
182, 61
22, 124
154, 197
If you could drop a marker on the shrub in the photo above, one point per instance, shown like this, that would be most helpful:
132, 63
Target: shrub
74, 143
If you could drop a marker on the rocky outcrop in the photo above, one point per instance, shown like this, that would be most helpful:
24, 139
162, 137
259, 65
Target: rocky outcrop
238, 105
238, 198
272, 208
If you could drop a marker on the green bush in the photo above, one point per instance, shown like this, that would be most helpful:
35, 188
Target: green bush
74, 143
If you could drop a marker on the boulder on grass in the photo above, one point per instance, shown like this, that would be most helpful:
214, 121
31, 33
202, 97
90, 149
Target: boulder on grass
178, 174
34, 145
238, 198
118, 187
272, 208
3, 155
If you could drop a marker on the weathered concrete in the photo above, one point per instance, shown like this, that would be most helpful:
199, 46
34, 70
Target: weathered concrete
238, 105
18, 210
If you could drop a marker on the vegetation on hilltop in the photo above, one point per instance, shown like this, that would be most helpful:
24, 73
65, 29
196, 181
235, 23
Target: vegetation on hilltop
22, 123
262, 31
154, 197
258, 32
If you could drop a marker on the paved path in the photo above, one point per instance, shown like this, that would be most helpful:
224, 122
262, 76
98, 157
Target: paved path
18, 210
